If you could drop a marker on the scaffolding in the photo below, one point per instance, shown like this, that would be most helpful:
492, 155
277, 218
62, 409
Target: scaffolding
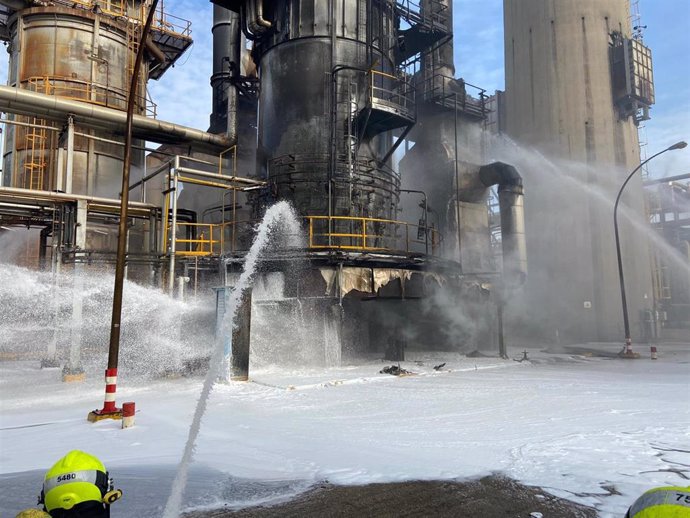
668, 204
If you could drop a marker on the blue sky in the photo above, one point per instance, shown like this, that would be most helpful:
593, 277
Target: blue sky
184, 94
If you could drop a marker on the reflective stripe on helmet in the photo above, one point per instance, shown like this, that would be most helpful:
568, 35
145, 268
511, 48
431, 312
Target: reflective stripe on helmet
87, 475
679, 497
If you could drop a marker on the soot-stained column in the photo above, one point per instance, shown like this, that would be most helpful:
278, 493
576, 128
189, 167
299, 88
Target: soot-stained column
241, 334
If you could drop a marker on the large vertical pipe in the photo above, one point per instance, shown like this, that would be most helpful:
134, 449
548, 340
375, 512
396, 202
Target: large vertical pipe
511, 206
226, 66
69, 174
73, 370
510, 199
173, 228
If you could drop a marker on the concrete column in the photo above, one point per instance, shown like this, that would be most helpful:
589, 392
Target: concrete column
333, 333
50, 359
73, 370
241, 333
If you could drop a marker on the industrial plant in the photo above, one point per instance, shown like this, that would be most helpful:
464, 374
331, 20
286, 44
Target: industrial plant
413, 234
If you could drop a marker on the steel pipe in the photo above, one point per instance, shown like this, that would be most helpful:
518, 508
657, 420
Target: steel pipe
36, 195
226, 66
510, 199
24, 102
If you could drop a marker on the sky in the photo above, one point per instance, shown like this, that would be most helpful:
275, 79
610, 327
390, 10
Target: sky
183, 95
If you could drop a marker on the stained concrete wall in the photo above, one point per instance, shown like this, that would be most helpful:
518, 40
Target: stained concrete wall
559, 101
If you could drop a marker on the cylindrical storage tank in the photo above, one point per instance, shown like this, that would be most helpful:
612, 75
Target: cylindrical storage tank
301, 146
559, 100
76, 54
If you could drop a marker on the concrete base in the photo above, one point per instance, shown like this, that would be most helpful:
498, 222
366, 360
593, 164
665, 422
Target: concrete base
628, 355
100, 415
72, 375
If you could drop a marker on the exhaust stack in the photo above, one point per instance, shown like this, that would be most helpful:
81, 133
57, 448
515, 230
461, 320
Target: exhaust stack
226, 66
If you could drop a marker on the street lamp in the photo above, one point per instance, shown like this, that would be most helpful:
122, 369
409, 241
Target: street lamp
626, 321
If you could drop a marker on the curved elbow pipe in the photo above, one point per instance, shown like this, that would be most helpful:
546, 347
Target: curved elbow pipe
260, 15
256, 24
510, 199
501, 174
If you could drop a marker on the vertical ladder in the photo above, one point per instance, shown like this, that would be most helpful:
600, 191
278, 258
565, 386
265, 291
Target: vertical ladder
134, 29
35, 140
635, 19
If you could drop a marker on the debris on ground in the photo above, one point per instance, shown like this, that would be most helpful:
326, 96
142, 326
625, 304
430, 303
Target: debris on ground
524, 357
439, 367
395, 370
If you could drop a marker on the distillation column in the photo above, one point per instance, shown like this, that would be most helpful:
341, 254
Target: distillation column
314, 62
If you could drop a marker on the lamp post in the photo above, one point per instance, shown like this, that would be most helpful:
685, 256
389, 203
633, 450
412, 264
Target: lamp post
110, 410
626, 321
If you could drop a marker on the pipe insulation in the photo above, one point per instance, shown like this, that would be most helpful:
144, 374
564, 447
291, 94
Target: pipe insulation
226, 67
24, 102
511, 206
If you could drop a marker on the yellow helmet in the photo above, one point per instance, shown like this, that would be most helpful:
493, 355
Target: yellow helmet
32, 513
75, 479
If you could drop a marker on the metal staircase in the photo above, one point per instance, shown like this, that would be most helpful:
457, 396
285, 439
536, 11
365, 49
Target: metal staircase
428, 29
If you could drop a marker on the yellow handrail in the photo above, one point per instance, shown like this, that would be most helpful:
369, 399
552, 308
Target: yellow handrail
211, 239
232, 150
200, 246
163, 21
362, 238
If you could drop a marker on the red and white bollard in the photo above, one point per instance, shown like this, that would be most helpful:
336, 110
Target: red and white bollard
109, 410
653, 351
110, 389
128, 411
628, 346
